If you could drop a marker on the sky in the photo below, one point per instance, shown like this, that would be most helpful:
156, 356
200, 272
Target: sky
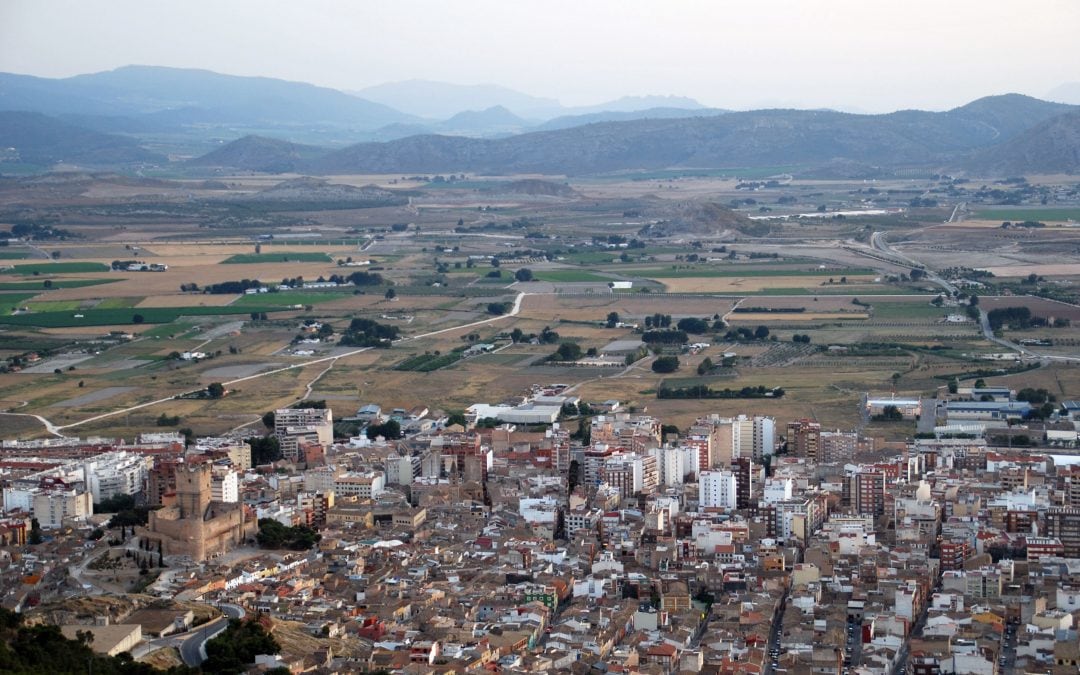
861, 56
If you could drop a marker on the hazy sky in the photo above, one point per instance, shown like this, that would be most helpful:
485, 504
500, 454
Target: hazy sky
871, 55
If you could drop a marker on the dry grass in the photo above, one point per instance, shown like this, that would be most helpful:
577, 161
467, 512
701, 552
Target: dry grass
785, 317
187, 300
749, 284
1060, 269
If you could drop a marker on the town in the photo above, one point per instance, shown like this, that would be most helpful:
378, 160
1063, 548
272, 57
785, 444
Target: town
735, 545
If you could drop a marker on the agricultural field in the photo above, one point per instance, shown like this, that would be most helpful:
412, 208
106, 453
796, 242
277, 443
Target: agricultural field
284, 256
896, 340
35, 269
1036, 214
569, 276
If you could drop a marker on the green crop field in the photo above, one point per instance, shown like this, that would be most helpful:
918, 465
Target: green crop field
911, 310
425, 363
56, 268
290, 256
120, 316
1020, 215
591, 257
56, 305
8, 301
54, 283
568, 276
757, 271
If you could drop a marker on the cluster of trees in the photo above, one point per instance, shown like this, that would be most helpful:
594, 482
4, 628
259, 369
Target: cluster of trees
369, 333
889, 413
658, 321
1016, 318
693, 325
567, 351
360, 279
523, 274
40, 231
612, 319
224, 287
235, 650
390, 430
667, 337
499, 308
273, 534
704, 391
125, 512
744, 334
804, 339
581, 408
165, 420
1035, 396
44, 649
264, 449
665, 364
544, 337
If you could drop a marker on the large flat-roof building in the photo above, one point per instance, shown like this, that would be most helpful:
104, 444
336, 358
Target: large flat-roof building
909, 408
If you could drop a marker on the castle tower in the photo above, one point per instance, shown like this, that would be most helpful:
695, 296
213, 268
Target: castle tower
193, 490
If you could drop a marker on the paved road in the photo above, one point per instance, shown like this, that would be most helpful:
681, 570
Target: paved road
193, 648
877, 241
332, 359
988, 333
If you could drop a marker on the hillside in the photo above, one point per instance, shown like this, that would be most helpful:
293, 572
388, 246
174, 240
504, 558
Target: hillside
1050, 147
490, 120
701, 218
41, 140
258, 153
300, 192
739, 139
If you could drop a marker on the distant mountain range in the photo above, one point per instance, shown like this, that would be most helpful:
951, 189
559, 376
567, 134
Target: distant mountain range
146, 97
737, 139
106, 119
441, 100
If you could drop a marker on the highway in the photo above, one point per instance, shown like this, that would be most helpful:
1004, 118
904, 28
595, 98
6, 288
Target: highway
878, 243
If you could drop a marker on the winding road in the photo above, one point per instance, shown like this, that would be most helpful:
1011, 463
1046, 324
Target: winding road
57, 430
193, 647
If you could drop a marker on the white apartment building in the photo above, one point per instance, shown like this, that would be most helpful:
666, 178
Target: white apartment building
777, 490
224, 484
362, 485
717, 489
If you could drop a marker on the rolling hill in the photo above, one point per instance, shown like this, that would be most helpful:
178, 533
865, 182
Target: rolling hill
258, 153
42, 140
1050, 147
